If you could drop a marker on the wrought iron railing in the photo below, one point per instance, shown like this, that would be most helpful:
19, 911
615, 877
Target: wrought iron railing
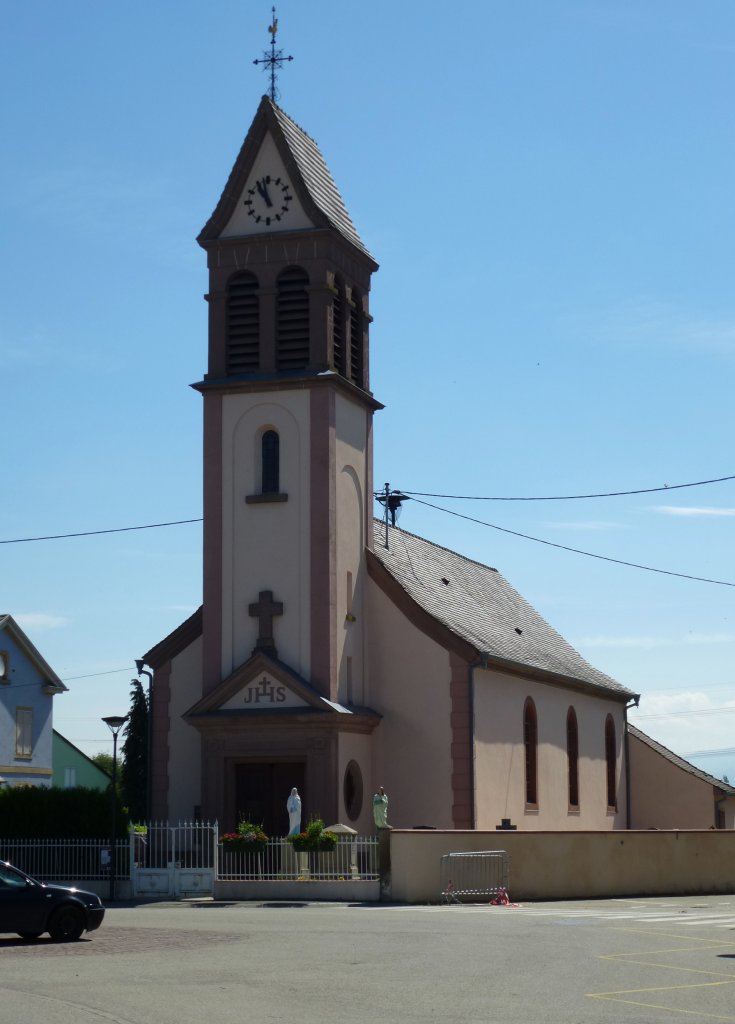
66, 860
354, 857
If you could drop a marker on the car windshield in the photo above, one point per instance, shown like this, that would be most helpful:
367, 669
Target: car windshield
12, 878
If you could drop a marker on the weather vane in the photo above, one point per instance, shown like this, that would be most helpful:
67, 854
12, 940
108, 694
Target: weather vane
275, 59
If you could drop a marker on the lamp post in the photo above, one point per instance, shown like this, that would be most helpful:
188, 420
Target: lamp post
114, 723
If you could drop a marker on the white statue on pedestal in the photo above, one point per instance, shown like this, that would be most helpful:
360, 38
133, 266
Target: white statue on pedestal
293, 806
380, 808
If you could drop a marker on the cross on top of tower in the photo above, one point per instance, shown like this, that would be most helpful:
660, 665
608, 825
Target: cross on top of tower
275, 59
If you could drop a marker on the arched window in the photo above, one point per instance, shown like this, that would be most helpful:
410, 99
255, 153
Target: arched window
338, 328
530, 744
292, 319
270, 451
610, 761
356, 339
573, 757
243, 324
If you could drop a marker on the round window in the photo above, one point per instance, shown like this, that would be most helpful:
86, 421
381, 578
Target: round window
352, 790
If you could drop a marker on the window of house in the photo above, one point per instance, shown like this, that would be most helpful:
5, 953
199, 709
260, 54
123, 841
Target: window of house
292, 319
70, 778
4, 667
611, 762
243, 324
24, 732
573, 757
530, 743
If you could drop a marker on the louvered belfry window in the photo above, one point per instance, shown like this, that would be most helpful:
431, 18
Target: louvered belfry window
292, 320
338, 328
356, 328
243, 324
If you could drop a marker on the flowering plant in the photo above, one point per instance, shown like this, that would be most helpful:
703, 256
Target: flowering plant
315, 838
248, 838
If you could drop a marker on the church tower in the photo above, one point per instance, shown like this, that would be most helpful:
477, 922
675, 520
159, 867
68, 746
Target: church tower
287, 483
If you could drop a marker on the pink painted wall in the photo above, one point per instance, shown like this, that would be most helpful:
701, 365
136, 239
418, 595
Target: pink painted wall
499, 700
409, 684
665, 796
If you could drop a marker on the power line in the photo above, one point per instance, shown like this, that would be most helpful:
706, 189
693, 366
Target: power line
576, 551
688, 714
93, 675
95, 533
573, 497
709, 753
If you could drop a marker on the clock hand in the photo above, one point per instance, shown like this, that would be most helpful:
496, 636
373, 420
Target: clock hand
262, 188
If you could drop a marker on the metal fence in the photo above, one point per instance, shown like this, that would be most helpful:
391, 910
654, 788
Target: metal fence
353, 857
468, 876
66, 860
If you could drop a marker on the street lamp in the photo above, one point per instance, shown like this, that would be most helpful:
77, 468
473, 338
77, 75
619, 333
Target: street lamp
114, 723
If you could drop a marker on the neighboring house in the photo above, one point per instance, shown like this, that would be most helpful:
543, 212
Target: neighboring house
332, 653
670, 793
27, 688
74, 768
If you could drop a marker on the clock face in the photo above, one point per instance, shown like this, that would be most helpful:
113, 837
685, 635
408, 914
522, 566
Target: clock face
268, 200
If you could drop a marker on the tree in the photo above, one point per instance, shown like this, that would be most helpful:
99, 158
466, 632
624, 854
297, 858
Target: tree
134, 770
103, 760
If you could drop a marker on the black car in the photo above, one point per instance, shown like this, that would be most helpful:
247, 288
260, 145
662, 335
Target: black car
30, 908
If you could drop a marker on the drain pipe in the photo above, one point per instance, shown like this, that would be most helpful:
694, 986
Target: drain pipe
633, 703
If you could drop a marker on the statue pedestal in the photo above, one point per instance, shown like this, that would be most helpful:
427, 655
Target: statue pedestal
289, 861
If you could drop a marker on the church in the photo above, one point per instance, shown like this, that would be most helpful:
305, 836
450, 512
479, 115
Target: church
335, 652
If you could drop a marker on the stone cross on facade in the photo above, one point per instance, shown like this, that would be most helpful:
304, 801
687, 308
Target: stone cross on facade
265, 609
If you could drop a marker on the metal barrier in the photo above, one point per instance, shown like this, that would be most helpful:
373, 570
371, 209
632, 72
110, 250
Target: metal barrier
467, 876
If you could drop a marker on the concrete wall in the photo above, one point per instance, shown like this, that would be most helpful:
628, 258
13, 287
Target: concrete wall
573, 865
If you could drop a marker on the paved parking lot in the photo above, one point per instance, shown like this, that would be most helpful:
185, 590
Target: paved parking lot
608, 961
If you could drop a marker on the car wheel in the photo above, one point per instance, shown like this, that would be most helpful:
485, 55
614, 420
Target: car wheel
66, 924
29, 935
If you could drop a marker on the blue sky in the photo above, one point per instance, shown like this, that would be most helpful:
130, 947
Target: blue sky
547, 187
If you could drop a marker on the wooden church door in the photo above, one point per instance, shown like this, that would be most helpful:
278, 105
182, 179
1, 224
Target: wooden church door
261, 792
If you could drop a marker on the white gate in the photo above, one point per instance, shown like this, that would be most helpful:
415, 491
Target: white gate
173, 860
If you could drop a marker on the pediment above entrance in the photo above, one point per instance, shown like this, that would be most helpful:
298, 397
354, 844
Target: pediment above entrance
267, 692
264, 685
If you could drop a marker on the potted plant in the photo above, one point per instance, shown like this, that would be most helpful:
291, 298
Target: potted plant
248, 838
314, 839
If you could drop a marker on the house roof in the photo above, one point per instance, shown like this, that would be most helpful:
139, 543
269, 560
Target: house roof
679, 761
478, 606
311, 178
10, 626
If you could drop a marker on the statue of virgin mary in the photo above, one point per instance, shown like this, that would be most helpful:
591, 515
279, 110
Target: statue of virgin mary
293, 806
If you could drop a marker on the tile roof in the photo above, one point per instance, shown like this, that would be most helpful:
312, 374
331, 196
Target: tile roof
478, 605
679, 761
317, 177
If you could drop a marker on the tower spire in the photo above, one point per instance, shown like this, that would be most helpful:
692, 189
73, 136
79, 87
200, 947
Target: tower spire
275, 59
